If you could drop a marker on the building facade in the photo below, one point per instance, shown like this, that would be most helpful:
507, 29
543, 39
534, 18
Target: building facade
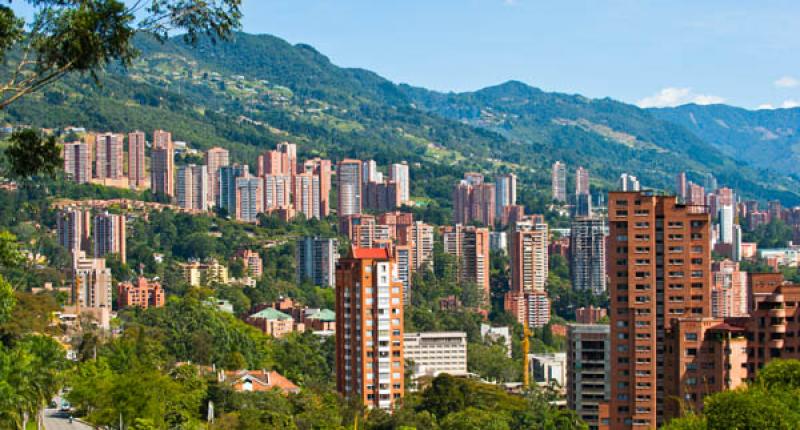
137, 161
370, 361
316, 259
558, 179
349, 187
433, 353
109, 235
588, 254
470, 245
216, 158
659, 260
588, 373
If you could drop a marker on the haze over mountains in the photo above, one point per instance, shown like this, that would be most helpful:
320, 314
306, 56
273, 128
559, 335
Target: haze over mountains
256, 90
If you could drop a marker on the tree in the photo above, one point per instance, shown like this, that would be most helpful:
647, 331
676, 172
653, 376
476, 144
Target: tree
474, 419
85, 35
30, 154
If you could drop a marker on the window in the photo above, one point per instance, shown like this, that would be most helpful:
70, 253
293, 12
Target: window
691, 336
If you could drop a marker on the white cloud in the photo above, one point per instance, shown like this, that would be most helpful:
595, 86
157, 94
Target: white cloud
672, 96
509, 2
788, 104
786, 82
765, 106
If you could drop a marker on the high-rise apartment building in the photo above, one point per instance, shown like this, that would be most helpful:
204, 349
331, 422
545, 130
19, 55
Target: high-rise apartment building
193, 187
277, 191
93, 289
680, 187
558, 178
137, 162
529, 258
216, 158
322, 170
531, 308
398, 173
588, 255
695, 195
109, 235
506, 192
628, 182
77, 162
370, 173
227, 185
728, 290
370, 361
381, 196
581, 181
470, 245
109, 153
316, 259
306, 195
659, 259
74, 228
726, 223
249, 195
281, 161
420, 237
162, 164
349, 187
405, 268
588, 373
474, 200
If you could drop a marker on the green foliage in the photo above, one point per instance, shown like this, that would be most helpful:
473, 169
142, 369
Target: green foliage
491, 361
192, 331
306, 358
31, 154
775, 234
773, 402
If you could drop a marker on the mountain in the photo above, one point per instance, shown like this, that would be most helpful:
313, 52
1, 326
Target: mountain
256, 90
765, 138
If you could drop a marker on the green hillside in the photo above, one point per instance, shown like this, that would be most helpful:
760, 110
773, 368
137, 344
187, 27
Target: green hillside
257, 90
766, 138
607, 136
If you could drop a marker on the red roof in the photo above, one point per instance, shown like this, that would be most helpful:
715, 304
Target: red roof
726, 327
371, 253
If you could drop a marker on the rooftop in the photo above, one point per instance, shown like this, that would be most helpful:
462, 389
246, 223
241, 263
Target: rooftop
270, 314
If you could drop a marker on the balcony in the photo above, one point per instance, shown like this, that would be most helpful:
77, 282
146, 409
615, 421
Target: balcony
776, 343
777, 313
777, 328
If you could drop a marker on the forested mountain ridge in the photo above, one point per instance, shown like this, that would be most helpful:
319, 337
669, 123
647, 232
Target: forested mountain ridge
256, 90
765, 138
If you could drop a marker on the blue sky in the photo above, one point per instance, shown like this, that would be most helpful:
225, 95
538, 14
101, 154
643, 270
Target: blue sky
650, 52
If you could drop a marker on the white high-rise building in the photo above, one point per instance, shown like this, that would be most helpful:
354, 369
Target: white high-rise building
628, 182
193, 187
559, 181
505, 193
316, 260
399, 174
726, 215
349, 187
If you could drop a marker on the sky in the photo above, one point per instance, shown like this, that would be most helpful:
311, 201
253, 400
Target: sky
648, 52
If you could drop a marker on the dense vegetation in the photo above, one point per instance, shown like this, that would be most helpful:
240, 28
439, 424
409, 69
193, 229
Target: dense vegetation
763, 138
256, 90
771, 402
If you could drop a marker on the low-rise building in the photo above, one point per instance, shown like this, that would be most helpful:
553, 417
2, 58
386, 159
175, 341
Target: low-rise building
548, 368
198, 274
432, 353
274, 323
142, 293
496, 334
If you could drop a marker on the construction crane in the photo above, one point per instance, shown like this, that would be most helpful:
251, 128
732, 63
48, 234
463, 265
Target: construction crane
526, 346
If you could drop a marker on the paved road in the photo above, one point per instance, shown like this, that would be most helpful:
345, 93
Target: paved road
57, 420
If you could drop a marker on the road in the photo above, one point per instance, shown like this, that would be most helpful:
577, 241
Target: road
57, 420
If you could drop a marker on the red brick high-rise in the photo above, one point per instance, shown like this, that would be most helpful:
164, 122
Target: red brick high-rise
659, 268
474, 200
370, 361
